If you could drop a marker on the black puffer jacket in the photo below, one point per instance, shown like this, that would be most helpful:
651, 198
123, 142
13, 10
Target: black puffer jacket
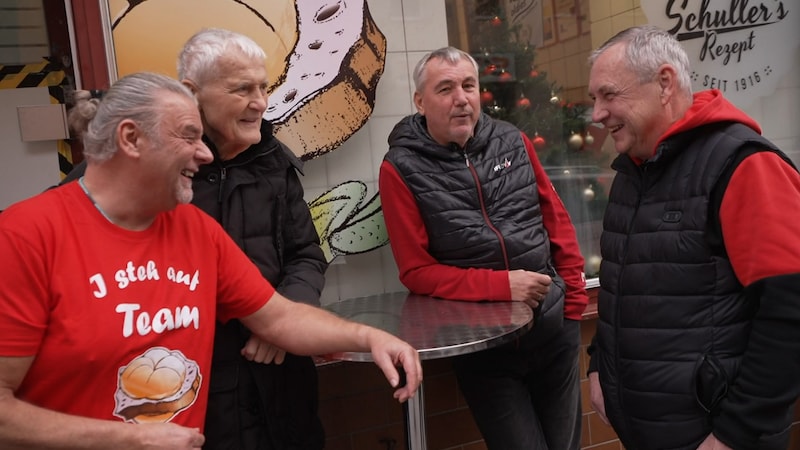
667, 286
258, 199
480, 203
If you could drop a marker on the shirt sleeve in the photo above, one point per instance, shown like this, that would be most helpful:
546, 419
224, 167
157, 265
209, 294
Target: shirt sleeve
419, 271
567, 257
759, 215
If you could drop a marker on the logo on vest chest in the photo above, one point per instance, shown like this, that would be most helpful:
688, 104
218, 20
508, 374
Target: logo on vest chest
503, 165
672, 216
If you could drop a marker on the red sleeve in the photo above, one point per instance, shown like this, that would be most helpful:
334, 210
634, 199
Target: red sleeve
759, 215
419, 271
563, 240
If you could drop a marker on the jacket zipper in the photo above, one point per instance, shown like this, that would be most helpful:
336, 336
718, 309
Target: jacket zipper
484, 213
223, 175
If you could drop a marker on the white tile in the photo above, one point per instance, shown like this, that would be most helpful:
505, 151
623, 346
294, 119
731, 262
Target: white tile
425, 24
413, 59
315, 173
361, 275
388, 16
391, 278
380, 127
352, 160
394, 87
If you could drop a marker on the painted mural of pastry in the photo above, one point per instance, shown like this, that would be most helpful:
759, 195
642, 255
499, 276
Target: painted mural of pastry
328, 90
155, 386
325, 57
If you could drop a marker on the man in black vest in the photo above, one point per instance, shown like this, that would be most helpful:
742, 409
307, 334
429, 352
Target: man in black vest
471, 215
698, 340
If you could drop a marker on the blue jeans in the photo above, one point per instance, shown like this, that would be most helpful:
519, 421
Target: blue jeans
525, 395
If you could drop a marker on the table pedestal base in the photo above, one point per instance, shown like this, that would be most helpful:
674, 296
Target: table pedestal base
415, 421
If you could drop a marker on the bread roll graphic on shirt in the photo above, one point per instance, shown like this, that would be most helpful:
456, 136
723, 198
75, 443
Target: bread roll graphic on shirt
155, 386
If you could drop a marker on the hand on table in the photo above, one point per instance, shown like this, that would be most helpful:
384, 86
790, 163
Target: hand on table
529, 287
389, 353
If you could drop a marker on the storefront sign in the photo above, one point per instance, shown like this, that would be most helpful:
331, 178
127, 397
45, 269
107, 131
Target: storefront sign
525, 16
741, 47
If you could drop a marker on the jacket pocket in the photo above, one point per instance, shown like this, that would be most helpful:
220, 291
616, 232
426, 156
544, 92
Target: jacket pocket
710, 382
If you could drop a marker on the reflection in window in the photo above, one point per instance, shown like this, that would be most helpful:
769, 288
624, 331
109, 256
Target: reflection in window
533, 73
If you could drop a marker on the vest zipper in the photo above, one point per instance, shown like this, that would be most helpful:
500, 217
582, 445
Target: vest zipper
223, 175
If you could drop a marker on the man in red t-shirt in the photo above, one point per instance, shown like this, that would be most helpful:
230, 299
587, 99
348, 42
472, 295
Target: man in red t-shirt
111, 287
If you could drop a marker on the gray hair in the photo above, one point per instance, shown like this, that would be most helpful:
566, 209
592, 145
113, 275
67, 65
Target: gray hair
647, 48
136, 97
449, 54
198, 58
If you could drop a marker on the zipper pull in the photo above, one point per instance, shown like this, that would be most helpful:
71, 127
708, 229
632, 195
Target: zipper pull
223, 175
466, 159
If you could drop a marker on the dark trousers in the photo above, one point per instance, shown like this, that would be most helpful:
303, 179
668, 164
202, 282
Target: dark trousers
525, 395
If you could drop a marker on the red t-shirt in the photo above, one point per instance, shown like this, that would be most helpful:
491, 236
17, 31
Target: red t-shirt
121, 322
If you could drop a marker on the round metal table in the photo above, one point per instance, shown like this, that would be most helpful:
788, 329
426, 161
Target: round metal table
437, 328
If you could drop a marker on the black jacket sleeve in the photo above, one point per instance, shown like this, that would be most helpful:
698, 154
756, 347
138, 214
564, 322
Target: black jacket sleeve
304, 264
757, 412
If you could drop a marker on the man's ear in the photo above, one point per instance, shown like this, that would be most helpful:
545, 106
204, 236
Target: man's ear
191, 85
667, 80
418, 103
129, 138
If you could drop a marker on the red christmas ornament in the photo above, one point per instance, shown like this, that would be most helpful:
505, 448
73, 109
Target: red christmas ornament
534, 73
505, 76
486, 97
496, 21
524, 102
538, 142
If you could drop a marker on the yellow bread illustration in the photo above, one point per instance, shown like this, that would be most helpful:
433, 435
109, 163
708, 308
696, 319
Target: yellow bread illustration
156, 385
149, 34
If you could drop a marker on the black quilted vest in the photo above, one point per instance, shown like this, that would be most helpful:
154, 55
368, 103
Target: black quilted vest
673, 319
479, 203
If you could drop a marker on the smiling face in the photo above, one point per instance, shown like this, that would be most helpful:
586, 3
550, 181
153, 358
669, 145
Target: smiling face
449, 100
232, 103
634, 113
176, 150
